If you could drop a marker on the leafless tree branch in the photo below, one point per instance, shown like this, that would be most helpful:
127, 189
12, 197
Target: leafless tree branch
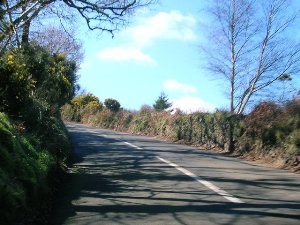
255, 53
103, 15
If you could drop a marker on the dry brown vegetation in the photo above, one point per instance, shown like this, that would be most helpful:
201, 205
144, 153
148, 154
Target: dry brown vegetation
270, 132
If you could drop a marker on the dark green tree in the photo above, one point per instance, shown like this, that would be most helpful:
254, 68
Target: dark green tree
162, 103
112, 104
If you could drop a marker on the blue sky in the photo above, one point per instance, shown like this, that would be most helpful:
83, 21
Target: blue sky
158, 51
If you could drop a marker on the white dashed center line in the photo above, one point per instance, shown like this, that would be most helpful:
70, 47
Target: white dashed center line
132, 145
207, 184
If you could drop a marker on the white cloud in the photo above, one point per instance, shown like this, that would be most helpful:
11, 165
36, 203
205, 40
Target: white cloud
190, 104
125, 54
172, 25
173, 85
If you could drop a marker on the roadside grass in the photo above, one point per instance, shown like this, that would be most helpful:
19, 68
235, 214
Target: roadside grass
29, 165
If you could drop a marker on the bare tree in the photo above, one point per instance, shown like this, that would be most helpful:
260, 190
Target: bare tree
59, 41
103, 15
252, 47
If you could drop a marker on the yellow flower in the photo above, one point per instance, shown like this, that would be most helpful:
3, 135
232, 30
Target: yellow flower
10, 59
66, 81
61, 56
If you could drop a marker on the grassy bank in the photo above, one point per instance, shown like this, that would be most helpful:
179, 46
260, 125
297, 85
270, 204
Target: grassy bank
30, 164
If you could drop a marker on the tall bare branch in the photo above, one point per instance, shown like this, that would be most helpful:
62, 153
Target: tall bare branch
252, 48
103, 15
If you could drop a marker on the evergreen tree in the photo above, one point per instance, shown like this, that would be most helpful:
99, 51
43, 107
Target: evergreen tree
162, 103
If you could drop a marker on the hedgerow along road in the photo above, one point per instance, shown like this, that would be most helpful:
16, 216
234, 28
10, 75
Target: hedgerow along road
118, 178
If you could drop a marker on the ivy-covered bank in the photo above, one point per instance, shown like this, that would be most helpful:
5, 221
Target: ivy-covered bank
34, 145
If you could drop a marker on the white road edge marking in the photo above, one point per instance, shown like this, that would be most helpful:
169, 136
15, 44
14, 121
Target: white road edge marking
97, 133
207, 184
132, 145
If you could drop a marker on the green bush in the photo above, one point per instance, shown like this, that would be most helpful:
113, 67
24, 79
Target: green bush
33, 140
296, 138
141, 121
81, 106
16, 81
107, 119
26, 167
33, 73
68, 113
112, 104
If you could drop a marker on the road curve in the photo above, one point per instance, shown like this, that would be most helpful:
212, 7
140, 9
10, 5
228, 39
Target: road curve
124, 179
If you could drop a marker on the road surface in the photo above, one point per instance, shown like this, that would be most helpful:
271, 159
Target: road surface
124, 179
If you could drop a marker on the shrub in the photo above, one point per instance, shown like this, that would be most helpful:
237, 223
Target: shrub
33, 140
16, 81
32, 72
263, 118
141, 121
68, 113
112, 104
104, 119
270, 127
24, 171
295, 139
81, 106
267, 127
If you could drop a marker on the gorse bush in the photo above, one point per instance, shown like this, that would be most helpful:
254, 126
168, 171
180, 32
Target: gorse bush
32, 72
83, 104
16, 81
34, 144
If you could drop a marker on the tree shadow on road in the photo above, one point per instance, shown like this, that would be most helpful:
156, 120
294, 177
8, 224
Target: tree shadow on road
110, 183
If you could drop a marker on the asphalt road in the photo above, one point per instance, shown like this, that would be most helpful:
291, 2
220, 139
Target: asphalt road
124, 179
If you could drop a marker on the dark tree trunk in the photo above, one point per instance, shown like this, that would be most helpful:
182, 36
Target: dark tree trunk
25, 34
26, 28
